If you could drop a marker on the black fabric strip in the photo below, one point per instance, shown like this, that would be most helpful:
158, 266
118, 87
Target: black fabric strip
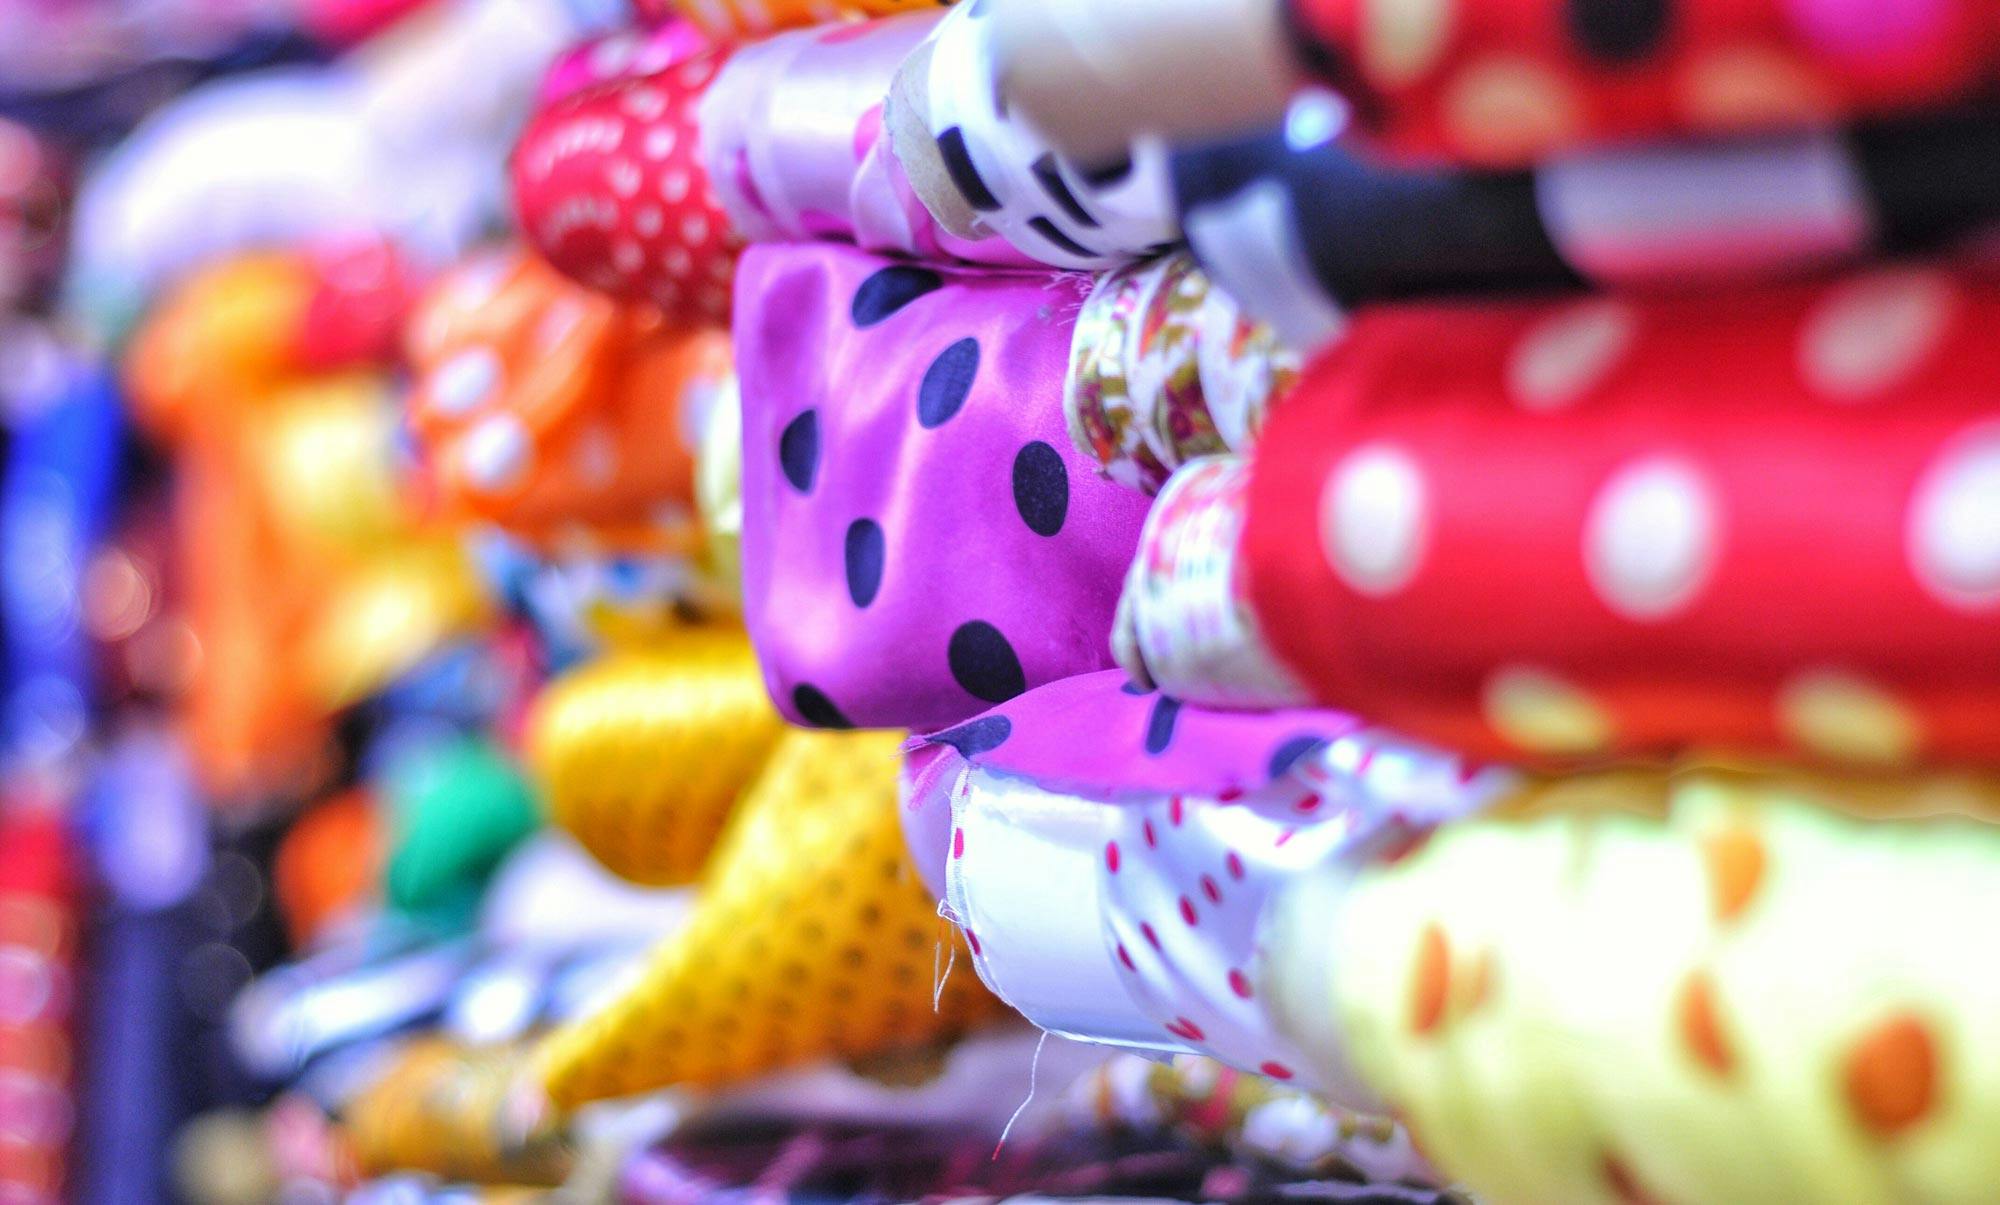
1930, 180
1050, 178
951, 144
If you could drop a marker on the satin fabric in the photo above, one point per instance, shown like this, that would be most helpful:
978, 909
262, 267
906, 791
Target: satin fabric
919, 539
1708, 1007
793, 140
1764, 523
1505, 82
1114, 887
1305, 223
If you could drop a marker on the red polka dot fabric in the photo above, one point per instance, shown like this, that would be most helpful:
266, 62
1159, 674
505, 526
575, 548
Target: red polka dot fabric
1767, 522
1511, 81
609, 186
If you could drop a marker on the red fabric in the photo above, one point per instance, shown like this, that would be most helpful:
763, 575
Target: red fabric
1766, 522
610, 187
37, 971
1509, 81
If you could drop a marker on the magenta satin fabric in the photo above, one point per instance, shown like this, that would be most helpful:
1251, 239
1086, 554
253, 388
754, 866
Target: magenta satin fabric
921, 541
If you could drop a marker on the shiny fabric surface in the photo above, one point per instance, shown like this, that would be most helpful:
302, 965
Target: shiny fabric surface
920, 541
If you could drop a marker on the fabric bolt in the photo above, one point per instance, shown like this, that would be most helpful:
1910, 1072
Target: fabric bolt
1185, 618
610, 186
38, 948
982, 172
1505, 82
448, 1109
812, 938
1701, 1008
292, 535
734, 20
1254, 1117
1634, 562
620, 55
1303, 224
1132, 917
562, 416
891, 414
455, 808
1163, 368
642, 754
792, 138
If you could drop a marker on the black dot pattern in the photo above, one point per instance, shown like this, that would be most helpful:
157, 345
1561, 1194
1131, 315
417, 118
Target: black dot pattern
984, 663
947, 383
867, 551
1160, 724
975, 737
1041, 488
889, 290
1288, 752
816, 709
798, 451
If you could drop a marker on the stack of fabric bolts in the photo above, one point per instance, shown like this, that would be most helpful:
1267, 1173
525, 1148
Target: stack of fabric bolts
1419, 580
1638, 510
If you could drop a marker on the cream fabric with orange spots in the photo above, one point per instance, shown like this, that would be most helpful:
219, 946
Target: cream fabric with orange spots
814, 938
1751, 1000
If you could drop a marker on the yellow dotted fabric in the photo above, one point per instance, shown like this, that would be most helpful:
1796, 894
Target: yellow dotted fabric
813, 938
1751, 1000
642, 755
444, 1109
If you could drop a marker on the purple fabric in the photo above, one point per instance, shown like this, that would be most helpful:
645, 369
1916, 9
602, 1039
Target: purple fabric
1137, 744
1096, 736
920, 539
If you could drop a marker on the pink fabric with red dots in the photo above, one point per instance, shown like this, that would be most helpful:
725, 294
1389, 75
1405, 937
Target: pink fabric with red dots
609, 186
1511, 81
1765, 522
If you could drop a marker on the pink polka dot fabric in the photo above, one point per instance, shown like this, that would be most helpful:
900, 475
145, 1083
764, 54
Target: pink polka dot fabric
1766, 521
920, 539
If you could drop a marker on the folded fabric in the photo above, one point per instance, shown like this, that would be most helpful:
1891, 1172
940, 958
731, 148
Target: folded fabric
1303, 224
1253, 1117
560, 415
812, 938
792, 138
1163, 368
39, 886
1508, 81
1492, 82
1633, 560
455, 808
983, 172
610, 186
310, 581
1614, 1008
920, 541
642, 754
742, 19
1112, 855
447, 1109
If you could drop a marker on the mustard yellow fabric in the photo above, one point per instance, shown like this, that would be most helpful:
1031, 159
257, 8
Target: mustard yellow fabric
642, 754
813, 938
